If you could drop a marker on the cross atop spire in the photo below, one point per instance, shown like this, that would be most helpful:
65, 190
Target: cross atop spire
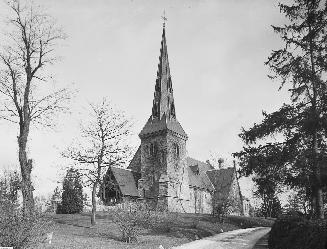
164, 18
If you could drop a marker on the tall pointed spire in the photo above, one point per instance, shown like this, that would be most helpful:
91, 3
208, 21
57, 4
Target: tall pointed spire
163, 102
163, 107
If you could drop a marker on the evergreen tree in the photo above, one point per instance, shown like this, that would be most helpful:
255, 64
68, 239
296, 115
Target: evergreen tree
72, 194
298, 157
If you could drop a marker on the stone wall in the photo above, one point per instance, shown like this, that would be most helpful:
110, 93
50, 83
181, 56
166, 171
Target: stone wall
153, 165
200, 201
178, 188
164, 178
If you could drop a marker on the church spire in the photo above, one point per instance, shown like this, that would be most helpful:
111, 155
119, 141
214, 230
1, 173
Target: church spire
163, 117
163, 102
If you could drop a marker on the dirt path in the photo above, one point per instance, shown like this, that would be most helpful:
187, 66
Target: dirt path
237, 239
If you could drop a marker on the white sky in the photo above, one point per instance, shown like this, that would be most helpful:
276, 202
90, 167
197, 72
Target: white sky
217, 50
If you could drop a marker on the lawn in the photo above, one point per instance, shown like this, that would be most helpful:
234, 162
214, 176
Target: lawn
74, 231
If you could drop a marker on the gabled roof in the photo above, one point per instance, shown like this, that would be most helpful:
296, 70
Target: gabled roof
126, 180
197, 174
222, 179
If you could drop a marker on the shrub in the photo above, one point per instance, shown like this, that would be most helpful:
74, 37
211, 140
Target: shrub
223, 206
247, 222
129, 219
18, 231
295, 232
132, 217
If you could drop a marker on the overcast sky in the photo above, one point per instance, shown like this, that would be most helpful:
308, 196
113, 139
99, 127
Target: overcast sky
217, 50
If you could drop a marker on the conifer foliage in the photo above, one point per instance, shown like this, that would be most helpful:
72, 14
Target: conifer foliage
298, 158
72, 194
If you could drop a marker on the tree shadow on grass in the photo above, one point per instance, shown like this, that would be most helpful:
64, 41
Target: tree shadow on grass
181, 232
71, 223
96, 234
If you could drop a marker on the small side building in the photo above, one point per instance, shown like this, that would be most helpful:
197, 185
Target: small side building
119, 185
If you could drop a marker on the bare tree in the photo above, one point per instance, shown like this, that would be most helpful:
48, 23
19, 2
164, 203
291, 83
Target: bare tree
27, 51
102, 144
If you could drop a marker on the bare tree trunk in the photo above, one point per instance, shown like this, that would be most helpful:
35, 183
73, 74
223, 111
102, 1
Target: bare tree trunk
26, 169
94, 203
95, 185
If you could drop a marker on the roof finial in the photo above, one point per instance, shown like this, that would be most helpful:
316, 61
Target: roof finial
164, 18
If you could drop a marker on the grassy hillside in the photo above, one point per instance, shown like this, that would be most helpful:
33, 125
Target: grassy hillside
74, 231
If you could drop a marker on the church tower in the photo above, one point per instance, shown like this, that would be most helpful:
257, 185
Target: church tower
164, 178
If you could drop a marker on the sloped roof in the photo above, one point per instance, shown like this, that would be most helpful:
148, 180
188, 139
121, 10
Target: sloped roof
126, 180
155, 125
135, 163
197, 174
200, 175
222, 179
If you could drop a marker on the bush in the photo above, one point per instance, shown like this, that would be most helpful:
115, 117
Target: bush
248, 222
129, 220
295, 232
18, 231
132, 217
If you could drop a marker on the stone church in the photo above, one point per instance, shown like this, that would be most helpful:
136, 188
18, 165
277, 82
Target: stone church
161, 173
